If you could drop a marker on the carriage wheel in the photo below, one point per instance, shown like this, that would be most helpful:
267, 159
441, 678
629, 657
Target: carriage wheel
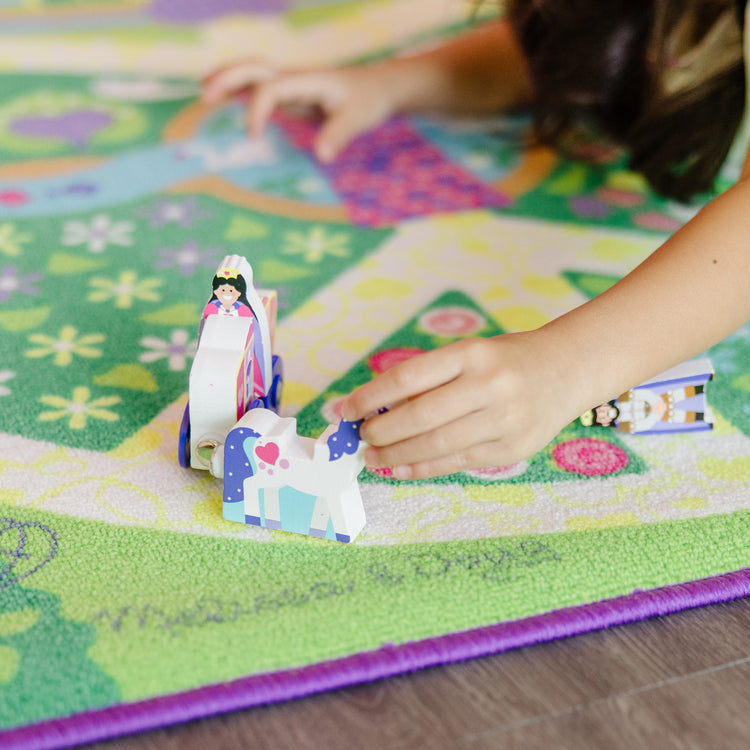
183, 444
277, 382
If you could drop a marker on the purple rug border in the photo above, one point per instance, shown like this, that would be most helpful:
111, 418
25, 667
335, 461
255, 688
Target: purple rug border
388, 661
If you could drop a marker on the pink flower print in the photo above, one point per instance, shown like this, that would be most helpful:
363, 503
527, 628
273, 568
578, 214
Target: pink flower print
13, 197
590, 457
387, 358
452, 321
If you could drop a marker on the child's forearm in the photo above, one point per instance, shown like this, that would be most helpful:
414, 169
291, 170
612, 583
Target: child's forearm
689, 294
481, 72
495, 401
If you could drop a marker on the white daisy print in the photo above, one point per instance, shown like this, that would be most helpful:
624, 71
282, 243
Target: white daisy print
176, 350
97, 234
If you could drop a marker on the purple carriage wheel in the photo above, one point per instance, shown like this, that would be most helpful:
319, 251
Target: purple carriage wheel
183, 443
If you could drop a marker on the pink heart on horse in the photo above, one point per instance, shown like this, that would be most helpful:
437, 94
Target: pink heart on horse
267, 453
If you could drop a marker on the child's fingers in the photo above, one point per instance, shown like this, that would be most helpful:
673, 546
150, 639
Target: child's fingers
337, 132
459, 438
342, 128
408, 379
325, 89
270, 95
233, 78
262, 107
423, 414
215, 73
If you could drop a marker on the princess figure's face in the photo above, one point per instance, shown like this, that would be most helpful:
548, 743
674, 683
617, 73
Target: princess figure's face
606, 414
227, 295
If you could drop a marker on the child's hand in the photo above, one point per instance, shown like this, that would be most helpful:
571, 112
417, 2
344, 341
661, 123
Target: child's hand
353, 100
471, 404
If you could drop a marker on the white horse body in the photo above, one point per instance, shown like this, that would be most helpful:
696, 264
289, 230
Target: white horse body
273, 473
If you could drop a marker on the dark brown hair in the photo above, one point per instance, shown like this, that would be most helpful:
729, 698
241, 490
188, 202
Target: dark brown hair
645, 73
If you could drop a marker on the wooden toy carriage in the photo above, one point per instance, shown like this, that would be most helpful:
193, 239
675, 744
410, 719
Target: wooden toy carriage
234, 368
272, 476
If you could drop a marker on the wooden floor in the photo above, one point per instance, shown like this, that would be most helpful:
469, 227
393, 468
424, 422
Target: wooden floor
681, 681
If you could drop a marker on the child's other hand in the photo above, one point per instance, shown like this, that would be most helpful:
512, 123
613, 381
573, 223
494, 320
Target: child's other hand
471, 404
352, 100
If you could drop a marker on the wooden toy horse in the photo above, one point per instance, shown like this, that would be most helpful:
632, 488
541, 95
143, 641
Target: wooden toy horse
277, 479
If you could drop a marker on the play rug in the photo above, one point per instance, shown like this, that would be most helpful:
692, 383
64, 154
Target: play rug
126, 601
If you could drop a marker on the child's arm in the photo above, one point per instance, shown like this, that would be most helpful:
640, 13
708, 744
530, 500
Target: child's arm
496, 401
483, 71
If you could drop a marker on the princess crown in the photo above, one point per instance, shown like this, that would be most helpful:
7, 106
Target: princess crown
228, 273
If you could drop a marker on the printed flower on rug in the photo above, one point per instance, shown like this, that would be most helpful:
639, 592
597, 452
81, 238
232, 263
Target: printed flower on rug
124, 290
590, 457
316, 244
11, 240
384, 359
79, 408
452, 321
182, 212
176, 350
11, 281
65, 345
188, 258
98, 233
13, 197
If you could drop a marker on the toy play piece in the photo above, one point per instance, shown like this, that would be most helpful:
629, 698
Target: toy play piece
272, 477
234, 367
277, 479
674, 401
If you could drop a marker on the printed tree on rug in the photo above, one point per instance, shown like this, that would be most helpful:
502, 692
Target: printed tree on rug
574, 453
